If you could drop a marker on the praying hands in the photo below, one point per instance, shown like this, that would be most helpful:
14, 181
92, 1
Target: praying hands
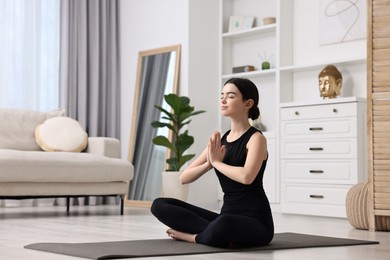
216, 152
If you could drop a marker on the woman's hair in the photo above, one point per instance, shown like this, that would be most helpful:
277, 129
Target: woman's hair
249, 91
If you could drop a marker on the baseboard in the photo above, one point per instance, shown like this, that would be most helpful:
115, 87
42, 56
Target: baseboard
138, 203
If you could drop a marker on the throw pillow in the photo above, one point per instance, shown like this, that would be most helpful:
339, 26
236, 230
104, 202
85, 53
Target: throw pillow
61, 134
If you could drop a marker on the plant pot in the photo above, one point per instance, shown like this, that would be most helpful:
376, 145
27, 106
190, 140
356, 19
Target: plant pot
172, 188
265, 65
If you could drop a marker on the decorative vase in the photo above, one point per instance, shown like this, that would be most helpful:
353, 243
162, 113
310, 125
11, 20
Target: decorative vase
265, 65
171, 186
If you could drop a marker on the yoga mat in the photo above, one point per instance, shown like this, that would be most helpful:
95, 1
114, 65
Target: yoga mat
170, 247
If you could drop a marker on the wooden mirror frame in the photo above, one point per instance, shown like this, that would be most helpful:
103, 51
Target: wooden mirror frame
136, 105
141, 55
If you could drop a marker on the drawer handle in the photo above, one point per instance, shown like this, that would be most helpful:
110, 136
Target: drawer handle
316, 149
335, 110
296, 113
316, 196
316, 128
316, 171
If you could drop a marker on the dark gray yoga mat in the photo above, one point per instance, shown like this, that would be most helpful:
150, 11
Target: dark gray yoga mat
170, 247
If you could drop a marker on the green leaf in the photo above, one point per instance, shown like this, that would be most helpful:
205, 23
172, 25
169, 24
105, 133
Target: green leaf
185, 158
169, 114
157, 124
164, 141
173, 163
183, 142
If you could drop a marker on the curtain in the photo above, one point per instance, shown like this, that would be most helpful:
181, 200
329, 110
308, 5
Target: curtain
89, 65
29, 64
89, 69
29, 51
154, 75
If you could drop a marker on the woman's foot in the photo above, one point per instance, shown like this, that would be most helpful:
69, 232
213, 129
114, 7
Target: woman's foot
177, 235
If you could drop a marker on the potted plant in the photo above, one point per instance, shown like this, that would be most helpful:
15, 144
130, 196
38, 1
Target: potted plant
180, 141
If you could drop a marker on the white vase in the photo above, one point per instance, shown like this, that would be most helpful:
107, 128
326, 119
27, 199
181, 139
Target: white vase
171, 186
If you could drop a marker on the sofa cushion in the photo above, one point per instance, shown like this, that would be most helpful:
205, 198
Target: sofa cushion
40, 166
18, 125
61, 134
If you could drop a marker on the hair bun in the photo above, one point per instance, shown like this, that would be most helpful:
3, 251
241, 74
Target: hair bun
254, 113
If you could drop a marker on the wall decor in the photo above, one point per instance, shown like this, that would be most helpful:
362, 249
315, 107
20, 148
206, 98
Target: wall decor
238, 23
341, 21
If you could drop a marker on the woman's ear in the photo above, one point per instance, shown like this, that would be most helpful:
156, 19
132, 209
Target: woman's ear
249, 103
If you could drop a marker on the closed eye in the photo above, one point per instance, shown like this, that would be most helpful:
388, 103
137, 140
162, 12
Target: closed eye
229, 95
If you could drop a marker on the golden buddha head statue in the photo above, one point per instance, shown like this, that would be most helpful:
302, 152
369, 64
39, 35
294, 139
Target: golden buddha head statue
330, 82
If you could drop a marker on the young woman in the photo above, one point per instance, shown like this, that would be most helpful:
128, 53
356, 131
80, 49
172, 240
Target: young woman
239, 158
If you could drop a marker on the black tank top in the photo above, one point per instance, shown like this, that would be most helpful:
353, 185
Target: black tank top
241, 199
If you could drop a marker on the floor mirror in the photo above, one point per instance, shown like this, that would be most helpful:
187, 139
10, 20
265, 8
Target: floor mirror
157, 75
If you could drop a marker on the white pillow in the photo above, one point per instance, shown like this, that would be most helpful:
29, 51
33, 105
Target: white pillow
61, 134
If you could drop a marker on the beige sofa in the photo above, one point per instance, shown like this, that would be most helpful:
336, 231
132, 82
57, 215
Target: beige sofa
26, 171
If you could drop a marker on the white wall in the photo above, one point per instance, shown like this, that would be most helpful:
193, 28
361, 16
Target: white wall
203, 88
146, 25
150, 24
307, 50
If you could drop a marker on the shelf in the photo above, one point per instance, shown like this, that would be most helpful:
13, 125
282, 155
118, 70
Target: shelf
250, 32
296, 68
323, 102
250, 74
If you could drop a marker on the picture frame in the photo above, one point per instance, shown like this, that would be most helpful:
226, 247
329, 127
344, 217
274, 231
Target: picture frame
248, 23
235, 23
238, 23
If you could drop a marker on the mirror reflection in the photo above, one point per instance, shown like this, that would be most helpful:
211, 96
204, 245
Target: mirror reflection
157, 75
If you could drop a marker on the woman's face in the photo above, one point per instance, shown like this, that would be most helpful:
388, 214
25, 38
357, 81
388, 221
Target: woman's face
232, 102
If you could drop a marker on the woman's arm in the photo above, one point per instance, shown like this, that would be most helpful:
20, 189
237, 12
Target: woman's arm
256, 154
196, 169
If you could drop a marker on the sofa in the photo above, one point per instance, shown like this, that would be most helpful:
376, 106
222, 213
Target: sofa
49, 155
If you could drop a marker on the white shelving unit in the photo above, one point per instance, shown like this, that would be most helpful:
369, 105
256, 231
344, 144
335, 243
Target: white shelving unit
297, 59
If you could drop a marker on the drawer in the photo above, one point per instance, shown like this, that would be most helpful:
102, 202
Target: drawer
319, 111
320, 171
323, 200
335, 149
324, 128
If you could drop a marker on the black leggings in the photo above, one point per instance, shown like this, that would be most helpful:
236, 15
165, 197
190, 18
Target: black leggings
213, 229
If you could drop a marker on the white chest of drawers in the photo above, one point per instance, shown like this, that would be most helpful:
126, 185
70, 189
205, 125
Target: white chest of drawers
322, 154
